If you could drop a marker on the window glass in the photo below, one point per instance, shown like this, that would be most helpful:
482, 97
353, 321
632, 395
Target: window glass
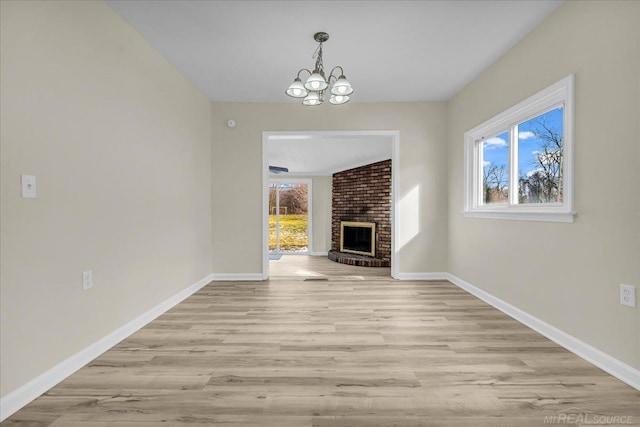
540, 158
495, 169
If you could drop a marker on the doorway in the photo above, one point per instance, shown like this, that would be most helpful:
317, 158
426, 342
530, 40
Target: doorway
311, 154
289, 211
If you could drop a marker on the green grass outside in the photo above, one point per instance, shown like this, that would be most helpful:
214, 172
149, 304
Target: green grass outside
293, 232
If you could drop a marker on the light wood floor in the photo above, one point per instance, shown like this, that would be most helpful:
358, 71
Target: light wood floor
319, 266
345, 351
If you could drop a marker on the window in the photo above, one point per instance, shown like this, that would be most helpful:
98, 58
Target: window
519, 164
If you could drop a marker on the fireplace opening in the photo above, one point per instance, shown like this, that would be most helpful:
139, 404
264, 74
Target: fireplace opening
358, 238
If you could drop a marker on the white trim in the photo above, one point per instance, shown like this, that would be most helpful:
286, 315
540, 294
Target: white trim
26, 393
237, 277
559, 93
602, 360
423, 276
265, 206
321, 253
522, 215
395, 179
395, 189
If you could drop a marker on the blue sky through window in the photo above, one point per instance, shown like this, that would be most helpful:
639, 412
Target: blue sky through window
495, 150
529, 145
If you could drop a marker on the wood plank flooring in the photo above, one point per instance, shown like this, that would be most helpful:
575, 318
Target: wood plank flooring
354, 350
318, 266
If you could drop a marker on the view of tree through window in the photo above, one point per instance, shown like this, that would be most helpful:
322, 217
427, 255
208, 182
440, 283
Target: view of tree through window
495, 169
540, 158
538, 171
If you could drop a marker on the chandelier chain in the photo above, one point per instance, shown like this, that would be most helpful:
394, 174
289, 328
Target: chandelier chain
318, 55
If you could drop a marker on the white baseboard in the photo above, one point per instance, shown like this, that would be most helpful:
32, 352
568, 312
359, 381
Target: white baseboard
237, 277
325, 253
423, 276
602, 360
23, 395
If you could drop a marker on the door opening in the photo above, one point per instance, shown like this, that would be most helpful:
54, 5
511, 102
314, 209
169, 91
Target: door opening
289, 218
310, 154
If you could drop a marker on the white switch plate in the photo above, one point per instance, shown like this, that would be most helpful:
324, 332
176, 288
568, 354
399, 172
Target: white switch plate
628, 295
28, 186
87, 280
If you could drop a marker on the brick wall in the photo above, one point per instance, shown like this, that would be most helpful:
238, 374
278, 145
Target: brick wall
364, 194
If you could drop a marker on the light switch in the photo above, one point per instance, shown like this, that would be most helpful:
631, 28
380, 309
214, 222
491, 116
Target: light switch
28, 186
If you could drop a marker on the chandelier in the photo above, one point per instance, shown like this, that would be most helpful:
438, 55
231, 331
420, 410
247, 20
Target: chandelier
316, 87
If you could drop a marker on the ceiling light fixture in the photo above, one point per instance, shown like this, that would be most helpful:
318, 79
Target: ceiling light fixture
314, 89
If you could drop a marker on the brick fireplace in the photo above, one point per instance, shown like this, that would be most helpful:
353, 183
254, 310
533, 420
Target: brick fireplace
363, 195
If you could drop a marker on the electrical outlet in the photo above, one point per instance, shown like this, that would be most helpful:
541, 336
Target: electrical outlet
87, 280
628, 295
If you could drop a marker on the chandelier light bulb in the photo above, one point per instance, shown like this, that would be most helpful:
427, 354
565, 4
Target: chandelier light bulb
342, 87
316, 82
339, 99
296, 90
312, 99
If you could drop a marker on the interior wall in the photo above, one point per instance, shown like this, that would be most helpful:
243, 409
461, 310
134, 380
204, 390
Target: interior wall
568, 275
238, 152
120, 144
321, 215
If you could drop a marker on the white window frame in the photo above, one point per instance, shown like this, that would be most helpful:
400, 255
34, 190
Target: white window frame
560, 93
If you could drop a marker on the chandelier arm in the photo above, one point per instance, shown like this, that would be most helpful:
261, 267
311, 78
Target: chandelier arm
333, 69
301, 70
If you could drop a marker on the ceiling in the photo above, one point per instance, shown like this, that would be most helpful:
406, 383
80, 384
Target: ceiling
250, 51
390, 50
312, 153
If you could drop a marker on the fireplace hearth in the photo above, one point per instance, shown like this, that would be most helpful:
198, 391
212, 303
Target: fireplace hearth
358, 260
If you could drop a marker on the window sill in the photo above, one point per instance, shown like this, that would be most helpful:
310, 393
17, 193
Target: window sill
521, 216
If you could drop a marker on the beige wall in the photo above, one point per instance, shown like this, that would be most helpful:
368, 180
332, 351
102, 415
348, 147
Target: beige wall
565, 274
322, 190
320, 210
120, 145
237, 152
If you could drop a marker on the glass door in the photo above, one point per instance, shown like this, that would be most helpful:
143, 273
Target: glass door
288, 218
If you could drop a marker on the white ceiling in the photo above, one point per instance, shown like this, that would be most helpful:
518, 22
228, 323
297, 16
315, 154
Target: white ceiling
390, 50
326, 153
